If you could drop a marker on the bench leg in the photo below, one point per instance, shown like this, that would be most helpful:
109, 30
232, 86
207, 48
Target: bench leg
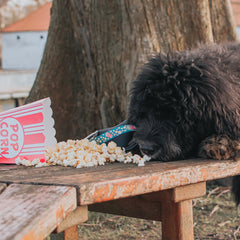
68, 234
71, 233
177, 220
68, 228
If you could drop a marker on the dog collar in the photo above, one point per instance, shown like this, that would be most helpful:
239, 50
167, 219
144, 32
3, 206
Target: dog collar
113, 133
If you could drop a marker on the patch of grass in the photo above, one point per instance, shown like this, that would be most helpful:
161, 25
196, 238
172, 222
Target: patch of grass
215, 218
215, 215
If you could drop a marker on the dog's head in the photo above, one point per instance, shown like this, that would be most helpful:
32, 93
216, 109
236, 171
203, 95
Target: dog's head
164, 107
156, 138
179, 99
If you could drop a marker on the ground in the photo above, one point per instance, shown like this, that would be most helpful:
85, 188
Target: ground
215, 218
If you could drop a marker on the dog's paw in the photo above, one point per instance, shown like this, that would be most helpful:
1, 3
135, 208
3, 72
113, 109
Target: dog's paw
219, 147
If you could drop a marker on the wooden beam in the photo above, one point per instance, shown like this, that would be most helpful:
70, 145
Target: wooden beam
189, 192
137, 207
178, 194
71, 233
79, 215
177, 220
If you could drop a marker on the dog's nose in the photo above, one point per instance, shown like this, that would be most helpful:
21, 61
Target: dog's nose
147, 149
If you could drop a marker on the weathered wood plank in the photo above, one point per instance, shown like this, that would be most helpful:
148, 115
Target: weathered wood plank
33, 211
2, 187
114, 181
79, 215
8, 167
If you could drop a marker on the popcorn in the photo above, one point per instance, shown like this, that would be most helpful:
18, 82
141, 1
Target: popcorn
40, 164
23, 161
84, 153
111, 147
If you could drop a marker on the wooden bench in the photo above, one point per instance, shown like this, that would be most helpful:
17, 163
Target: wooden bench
37, 201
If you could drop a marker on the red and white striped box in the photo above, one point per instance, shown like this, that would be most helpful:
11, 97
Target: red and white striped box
26, 131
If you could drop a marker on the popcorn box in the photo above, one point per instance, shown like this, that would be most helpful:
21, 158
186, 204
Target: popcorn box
26, 131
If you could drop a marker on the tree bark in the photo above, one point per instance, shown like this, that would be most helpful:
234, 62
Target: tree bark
95, 48
223, 25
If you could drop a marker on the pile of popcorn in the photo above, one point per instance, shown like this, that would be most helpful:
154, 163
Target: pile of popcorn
84, 153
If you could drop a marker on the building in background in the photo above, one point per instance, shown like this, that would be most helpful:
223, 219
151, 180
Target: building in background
22, 48
23, 42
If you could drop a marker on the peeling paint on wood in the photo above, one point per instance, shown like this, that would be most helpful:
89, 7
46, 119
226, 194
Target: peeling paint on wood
34, 211
114, 181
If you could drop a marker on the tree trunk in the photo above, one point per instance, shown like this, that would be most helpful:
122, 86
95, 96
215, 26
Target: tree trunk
95, 48
223, 25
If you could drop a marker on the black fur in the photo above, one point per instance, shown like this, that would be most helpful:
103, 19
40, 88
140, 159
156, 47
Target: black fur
180, 99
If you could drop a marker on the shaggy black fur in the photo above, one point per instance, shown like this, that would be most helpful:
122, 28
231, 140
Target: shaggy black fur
180, 99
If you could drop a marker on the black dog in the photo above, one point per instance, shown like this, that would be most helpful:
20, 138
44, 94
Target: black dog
179, 100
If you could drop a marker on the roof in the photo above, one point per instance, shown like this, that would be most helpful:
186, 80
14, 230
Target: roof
36, 21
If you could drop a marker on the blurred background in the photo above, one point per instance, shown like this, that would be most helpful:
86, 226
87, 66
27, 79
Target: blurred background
24, 28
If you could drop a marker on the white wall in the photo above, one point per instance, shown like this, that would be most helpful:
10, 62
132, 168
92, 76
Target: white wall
22, 50
16, 84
